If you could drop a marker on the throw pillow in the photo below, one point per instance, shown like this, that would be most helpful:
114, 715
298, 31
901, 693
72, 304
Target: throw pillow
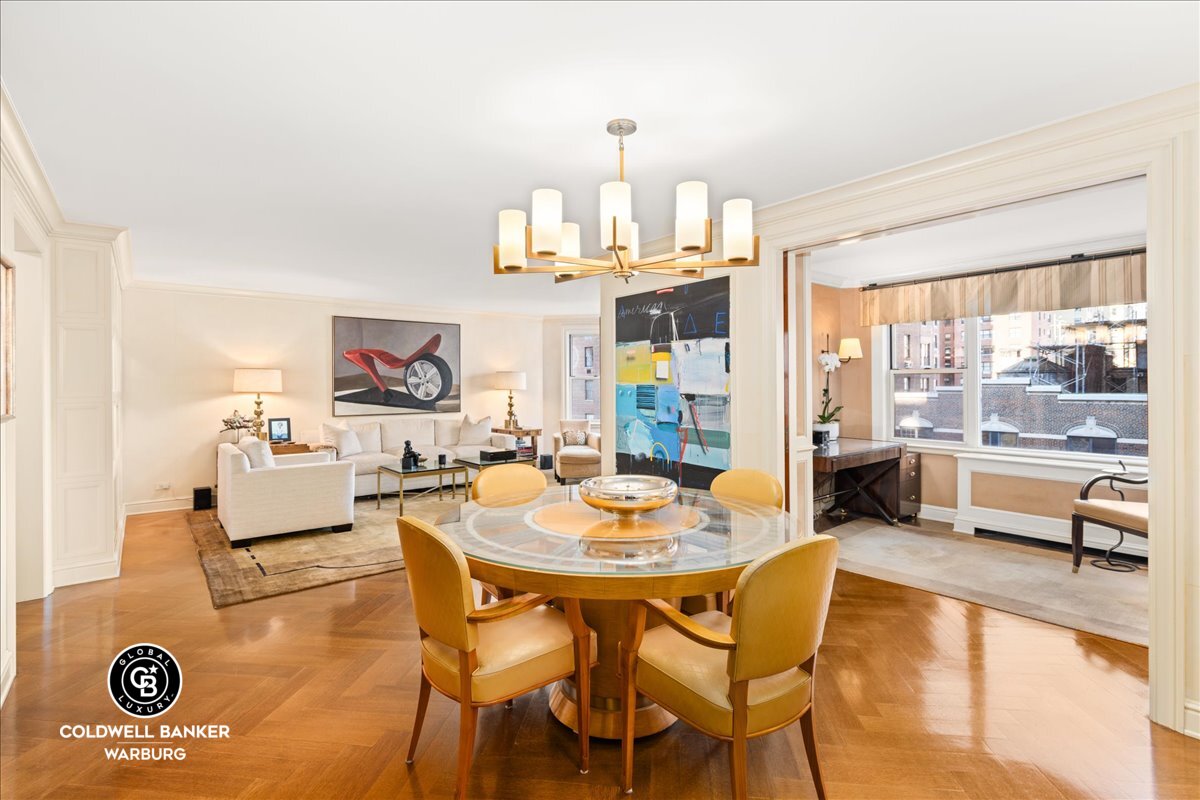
475, 432
344, 441
574, 437
369, 438
257, 452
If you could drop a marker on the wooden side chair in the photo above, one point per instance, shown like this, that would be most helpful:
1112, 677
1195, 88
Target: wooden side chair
505, 485
485, 656
1124, 516
735, 678
736, 487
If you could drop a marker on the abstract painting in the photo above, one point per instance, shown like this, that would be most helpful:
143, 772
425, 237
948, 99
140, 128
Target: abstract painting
672, 353
387, 366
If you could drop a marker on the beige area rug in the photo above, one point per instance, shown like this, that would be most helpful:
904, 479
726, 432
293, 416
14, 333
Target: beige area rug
298, 561
1021, 579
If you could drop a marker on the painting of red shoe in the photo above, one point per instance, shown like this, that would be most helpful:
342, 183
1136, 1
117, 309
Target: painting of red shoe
384, 366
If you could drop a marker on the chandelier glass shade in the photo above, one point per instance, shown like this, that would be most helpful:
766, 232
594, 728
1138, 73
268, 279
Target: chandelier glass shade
546, 238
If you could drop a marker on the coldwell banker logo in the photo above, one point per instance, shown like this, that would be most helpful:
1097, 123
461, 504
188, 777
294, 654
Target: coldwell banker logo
144, 680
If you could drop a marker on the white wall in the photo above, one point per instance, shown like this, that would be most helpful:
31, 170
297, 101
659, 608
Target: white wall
181, 345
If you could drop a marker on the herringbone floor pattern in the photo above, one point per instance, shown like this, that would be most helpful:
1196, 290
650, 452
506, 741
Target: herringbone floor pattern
917, 696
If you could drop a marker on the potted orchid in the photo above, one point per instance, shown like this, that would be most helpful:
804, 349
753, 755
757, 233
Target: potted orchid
827, 420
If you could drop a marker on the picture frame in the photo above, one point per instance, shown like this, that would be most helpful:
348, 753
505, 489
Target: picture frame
8, 301
387, 366
279, 429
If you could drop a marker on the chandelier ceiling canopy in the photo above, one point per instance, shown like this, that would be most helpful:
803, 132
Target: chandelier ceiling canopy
557, 244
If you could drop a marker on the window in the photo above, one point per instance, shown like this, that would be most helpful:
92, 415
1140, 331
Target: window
583, 376
1072, 380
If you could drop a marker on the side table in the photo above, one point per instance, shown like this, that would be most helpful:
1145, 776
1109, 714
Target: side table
520, 433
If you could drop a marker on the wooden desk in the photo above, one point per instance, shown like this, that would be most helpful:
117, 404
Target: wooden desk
869, 477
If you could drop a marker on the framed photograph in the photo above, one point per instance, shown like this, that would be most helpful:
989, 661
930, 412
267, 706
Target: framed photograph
279, 429
388, 366
8, 301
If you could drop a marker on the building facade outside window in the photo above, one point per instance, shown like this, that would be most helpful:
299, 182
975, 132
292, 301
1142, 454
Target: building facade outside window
1072, 380
583, 376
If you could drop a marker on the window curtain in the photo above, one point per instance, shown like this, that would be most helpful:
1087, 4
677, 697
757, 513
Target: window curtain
1116, 280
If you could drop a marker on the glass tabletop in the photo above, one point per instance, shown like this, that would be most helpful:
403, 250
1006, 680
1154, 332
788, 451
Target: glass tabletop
429, 466
554, 531
475, 461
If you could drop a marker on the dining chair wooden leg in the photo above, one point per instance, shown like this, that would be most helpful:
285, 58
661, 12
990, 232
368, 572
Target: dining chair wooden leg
810, 747
467, 717
422, 704
627, 649
583, 678
739, 694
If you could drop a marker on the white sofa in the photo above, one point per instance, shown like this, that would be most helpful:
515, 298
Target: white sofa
383, 443
301, 492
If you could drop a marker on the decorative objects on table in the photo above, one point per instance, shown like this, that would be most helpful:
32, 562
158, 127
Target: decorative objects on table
827, 420
551, 240
628, 496
257, 381
673, 382
279, 429
384, 366
411, 459
236, 423
496, 456
512, 381
8, 304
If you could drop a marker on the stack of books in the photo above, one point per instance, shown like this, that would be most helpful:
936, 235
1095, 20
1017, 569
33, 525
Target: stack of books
524, 447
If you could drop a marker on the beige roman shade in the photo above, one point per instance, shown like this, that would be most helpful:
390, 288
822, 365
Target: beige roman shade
1104, 281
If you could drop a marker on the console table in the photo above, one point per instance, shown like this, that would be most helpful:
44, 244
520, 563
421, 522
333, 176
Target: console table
870, 477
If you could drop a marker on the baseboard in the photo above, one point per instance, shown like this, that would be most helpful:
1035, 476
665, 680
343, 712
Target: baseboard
1048, 528
1191, 718
154, 506
8, 671
938, 513
84, 573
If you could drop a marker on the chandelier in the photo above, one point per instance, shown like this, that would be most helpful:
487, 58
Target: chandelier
556, 243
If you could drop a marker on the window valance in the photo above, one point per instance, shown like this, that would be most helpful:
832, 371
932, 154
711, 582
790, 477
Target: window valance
1116, 279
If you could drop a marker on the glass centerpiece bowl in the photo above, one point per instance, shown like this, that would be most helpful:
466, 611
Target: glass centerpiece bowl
627, 496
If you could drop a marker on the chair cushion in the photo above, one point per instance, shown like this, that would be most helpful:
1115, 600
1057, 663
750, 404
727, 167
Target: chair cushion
514, 655
395, 432
574, 437
578, 454
258, 453
445, 431
1122, 513
367, 463
475, 432
691, 681
369, 438
343, 439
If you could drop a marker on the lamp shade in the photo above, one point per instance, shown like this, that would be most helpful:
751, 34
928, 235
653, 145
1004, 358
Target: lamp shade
850, 348
512, 381
512, 239
256, 381
691, 212
616, 200
547, 221
737, 223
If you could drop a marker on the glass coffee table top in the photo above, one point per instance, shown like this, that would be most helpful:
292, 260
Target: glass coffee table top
474, 461
428, 467
555, 532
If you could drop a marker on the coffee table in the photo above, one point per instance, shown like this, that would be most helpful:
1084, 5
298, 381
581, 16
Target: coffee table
474, 463
421, 471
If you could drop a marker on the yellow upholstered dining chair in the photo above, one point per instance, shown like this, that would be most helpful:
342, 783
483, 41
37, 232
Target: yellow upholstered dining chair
484, 656
508, 485
736, 677
749, 486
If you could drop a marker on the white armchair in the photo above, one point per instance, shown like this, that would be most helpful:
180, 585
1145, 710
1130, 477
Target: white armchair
576, 461
301, 492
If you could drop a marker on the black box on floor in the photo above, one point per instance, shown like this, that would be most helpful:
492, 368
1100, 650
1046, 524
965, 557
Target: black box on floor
547, 461
201, 498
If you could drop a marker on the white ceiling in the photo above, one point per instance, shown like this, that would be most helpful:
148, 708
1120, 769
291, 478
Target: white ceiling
1092, 220
363, 150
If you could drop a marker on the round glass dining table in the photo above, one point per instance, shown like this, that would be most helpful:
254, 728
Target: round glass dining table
552, 543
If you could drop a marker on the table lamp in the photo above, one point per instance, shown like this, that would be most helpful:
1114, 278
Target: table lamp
257, 381
510, 381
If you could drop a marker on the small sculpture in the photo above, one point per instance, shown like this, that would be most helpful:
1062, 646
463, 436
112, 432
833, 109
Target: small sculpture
411, 458
237, 423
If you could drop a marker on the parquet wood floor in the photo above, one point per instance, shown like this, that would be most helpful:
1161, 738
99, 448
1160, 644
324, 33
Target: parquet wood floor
918, 696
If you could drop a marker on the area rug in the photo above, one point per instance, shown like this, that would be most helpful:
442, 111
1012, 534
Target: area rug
292, 563
1023, 579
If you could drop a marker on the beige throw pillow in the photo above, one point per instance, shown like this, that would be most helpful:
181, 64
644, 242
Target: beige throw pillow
574, 437
258, 453
475, 432
343, 440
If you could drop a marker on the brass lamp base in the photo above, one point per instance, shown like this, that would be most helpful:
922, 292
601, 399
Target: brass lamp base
258, 417
511, 422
